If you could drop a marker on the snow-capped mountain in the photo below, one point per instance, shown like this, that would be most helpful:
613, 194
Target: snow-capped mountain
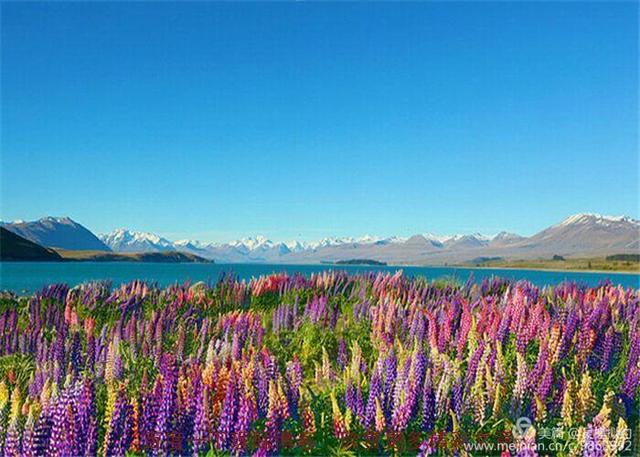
191, 244
505, 239
588, 233
252, 243
578, 235
581, 234
57, 232
124, 240
296, 246
597, 219
466, 241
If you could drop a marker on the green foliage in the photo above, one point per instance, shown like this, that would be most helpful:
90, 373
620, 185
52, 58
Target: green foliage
20, 367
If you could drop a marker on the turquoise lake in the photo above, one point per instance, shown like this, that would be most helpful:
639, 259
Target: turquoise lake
23, 277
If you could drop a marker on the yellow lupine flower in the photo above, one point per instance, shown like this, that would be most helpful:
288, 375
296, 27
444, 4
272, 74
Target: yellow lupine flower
541, 410
326, 365
568, 401
578, 444
619, 440
45, 394
4, 395
380, 422
554, 343
478, 397
497, 401
15, 404
108, 411
586, 400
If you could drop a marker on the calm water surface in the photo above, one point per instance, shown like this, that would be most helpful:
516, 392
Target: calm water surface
25, 277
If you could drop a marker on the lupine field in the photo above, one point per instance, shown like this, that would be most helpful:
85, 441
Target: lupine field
330, 364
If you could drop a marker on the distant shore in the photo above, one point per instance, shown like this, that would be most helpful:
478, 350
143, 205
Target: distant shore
595, 265
559, 270
152, 257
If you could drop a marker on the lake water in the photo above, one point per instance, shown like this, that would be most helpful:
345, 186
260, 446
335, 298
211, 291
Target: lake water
23, 277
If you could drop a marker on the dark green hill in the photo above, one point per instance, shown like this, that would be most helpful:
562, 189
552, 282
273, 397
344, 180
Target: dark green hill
14, 247
155, 257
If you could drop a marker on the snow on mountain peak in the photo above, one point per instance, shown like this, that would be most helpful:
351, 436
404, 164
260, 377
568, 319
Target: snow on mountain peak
253, 243
586, 218
124, 239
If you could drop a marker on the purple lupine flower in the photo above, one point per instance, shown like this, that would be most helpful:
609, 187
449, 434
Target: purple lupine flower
594, 445
149, 402
64, 437
400, 416
119, 436
167, 404
375, 390
12, 444
271, 440
28, 436
160, 444
227, 415
342, 354
456, 398
428, 405
473, 365
202, 421
390, 372
294, 376
426, 449
545, 383
243, 425
86, 417
76, 353
42, 431
262, 387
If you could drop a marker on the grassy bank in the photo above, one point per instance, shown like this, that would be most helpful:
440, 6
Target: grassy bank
583, 264
102, 256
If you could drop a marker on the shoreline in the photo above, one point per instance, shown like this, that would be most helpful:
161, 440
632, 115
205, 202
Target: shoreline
325, 265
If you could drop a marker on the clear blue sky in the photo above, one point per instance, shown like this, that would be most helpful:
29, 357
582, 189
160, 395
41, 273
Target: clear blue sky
215, 121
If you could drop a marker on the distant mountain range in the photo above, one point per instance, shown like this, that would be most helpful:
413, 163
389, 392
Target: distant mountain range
13, 247
57, 232
581, 235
